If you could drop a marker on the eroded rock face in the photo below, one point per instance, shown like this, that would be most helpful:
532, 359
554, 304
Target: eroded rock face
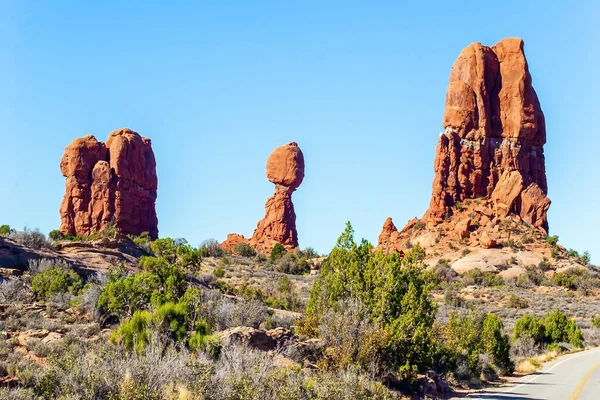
492, 145
106, 183
285, 168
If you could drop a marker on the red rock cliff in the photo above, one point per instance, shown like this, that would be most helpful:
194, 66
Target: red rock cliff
112, 182
492, 145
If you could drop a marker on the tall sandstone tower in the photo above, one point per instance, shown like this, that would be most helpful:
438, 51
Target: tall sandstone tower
492, 146
106, 183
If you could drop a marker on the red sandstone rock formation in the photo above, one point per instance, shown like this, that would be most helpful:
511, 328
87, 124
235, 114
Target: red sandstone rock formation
285, 168
492, 145
389, 238
109, 183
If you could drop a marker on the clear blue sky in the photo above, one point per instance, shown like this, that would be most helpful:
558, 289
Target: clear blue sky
217, 85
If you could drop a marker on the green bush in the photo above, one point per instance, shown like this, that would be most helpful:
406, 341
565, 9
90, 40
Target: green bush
244, 250
530, 326
219, 272
487, 279
596, 321
554, 328
123, 295
5, 230
135, 333
496, 343
277, 252
172, 318
291, 264
56, 235
559, 328
515, 301
465, 338
552, 240
55, 280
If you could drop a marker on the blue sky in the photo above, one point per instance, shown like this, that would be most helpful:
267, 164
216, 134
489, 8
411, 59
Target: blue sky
217, 85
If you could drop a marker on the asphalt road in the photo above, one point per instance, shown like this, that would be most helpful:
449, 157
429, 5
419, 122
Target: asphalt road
571, 377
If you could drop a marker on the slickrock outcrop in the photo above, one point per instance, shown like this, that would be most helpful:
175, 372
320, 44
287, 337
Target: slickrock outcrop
285, 168
492, 146
491, 149
109, 183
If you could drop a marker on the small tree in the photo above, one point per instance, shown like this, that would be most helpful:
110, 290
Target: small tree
277, 252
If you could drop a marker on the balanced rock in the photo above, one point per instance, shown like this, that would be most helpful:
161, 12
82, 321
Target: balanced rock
285, 168
112, 183
492, 145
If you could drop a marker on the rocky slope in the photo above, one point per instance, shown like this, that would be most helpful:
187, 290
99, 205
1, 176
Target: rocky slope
106, 183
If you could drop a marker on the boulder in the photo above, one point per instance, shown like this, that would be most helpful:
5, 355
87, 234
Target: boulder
462, 228
485, 241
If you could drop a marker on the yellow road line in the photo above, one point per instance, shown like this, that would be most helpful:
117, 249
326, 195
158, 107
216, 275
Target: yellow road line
582, 383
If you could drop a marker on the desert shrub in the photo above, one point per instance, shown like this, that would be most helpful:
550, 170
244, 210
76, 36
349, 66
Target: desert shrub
573, 253
393, 290
5, 230
466, 338
260, 258
559, 328
123, 295
291, 264
524, 346
172, 277
211, 248
444, 272
552, 240
244, 250
177, 252
596, 321
277, 252
135, 332
55, 235
585, 258
308, 253
576, 279
544, 265
143, 241
54, 281
487, 279
12, 291
555, 252
515, 301
30, 238
219, 272
529, 326
533, 276
351, 337
172, 319
496, 343
453, 299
